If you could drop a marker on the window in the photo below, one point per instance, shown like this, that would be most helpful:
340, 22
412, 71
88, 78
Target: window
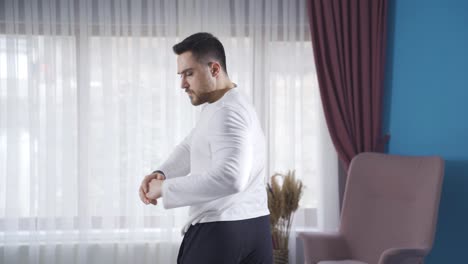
89, 106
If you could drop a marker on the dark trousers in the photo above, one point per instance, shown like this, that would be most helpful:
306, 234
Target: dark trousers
243, 241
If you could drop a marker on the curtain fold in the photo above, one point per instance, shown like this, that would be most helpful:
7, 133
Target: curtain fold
349, 38
90, 103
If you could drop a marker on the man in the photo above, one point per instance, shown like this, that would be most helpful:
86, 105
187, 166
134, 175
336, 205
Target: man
219, 168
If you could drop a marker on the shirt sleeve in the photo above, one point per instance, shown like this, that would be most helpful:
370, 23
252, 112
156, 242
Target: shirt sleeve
178, 163
231, 152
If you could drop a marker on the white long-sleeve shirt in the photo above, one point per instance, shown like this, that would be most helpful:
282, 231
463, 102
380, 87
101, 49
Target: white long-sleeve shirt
219, 168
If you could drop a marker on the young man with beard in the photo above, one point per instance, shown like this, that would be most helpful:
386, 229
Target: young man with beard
219, 168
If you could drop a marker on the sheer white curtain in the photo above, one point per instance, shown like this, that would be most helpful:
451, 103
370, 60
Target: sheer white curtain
90, 103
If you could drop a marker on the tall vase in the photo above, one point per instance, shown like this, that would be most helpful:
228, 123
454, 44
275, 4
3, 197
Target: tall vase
280, 256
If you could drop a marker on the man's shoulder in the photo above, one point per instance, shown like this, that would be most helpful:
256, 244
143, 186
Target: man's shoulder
237, 102
235, 106
230, 115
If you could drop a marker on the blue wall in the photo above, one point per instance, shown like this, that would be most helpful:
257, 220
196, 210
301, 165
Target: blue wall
426, 104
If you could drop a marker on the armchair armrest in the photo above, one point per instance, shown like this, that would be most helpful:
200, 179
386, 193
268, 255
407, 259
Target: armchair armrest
403, 256
320, 246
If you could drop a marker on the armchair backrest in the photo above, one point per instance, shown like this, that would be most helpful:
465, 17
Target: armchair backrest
390, 201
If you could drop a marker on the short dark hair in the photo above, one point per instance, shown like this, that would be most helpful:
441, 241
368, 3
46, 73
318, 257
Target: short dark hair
203, 46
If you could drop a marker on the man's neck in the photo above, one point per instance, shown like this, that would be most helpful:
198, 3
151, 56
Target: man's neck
218, 93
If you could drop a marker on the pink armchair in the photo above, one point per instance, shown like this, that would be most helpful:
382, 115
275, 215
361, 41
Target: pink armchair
389, 213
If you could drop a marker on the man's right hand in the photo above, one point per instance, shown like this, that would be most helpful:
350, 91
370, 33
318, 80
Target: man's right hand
145, 186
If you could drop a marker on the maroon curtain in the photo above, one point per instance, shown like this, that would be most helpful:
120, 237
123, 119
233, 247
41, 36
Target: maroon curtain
349, 38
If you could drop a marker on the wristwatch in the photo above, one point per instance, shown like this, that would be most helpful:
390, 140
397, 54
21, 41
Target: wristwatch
160, 172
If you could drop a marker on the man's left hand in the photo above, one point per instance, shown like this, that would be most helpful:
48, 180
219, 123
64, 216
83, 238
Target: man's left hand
155, 189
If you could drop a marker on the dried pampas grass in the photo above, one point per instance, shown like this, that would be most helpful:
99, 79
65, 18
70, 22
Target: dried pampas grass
283, 201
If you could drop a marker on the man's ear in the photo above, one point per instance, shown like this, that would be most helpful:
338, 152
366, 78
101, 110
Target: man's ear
215, 68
